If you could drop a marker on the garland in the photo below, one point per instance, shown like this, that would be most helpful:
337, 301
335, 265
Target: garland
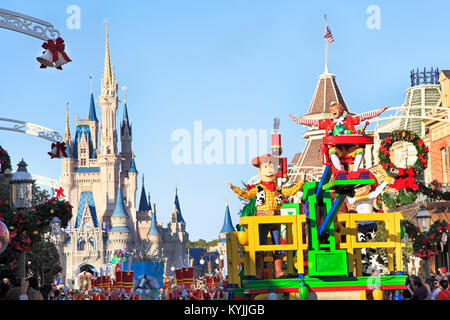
398, 199
434, 192
27, 226
425, 244
5, 160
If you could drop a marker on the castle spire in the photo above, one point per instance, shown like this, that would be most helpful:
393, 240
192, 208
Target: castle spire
67, 135
153, 225
177, 206
143, 204
107, 69
92, 115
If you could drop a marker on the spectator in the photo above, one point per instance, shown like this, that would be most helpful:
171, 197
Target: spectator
435, 289
33, 291
407, 293
417, 289
444, 294
18, 290
4, 288
45, 291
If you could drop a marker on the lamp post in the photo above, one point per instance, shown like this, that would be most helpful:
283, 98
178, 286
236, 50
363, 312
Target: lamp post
21, 199
423, 219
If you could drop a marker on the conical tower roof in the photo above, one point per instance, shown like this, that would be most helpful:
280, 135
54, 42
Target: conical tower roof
119, 209
177, 208
310, 159
92, 115
327, 91
143, 204
227, 223
153, 225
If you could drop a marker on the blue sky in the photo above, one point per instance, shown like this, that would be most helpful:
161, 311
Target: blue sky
230, 64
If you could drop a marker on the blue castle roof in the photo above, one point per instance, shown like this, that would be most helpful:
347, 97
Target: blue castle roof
86, 199
132, 167
125, 120
143, 204
227, 224
92, 114
153, 225
83, 129
119, 209
178, 209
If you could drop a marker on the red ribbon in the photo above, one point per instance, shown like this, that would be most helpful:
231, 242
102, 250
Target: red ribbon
406, 180
250, 186
59, 192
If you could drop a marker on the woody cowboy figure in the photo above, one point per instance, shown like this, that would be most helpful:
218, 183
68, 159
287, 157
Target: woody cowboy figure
269, 198
341, 124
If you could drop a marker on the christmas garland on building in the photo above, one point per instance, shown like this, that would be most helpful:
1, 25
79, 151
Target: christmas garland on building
426, 244
27, 226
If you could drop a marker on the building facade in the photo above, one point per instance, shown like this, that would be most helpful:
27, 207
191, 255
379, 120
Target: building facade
100, 182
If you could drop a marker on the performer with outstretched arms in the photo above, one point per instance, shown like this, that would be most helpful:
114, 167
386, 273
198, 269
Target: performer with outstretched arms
341, 124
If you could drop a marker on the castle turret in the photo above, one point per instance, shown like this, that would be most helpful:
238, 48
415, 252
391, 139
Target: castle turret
108, 158
67, 164
93, 121
120, 233
126, 138
154, 236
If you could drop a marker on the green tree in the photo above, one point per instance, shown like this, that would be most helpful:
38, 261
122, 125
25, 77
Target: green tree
43, 260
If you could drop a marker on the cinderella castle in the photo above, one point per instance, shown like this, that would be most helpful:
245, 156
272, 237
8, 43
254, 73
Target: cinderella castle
100, 182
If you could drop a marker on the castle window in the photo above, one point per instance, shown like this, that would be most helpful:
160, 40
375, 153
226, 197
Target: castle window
81, 244
83, 150
93, 243
83, 162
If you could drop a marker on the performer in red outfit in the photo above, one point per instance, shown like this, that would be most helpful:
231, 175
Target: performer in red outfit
341, 124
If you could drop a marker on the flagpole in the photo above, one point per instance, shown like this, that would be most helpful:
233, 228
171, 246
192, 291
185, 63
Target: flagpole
326, 47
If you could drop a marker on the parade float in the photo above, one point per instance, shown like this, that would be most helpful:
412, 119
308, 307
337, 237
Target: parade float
319, 251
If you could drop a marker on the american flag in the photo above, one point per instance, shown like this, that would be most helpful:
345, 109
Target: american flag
328, 35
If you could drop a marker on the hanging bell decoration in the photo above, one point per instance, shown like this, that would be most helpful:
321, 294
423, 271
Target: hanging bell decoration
54, 54
46, 60
63, 58
58, 150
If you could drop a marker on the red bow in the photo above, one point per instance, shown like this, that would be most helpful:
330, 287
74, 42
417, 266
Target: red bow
406, 180
59, 192
54, 48
58, 148
250, 187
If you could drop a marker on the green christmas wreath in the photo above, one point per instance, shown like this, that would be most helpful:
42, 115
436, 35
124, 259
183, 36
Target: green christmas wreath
403, 135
